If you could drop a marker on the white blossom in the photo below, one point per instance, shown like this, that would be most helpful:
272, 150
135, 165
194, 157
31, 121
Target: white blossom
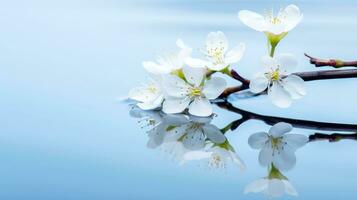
283, 22
169, 63
217, 54
276, 76
195, 93
150, 95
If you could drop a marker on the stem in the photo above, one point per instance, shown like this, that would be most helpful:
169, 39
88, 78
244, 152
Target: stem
272, 49
336, 63
306, 76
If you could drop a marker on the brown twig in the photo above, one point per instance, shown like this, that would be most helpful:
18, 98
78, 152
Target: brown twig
336, 63
306, 76
334, 137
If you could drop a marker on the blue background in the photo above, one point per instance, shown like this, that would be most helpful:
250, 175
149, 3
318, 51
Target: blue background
64, 64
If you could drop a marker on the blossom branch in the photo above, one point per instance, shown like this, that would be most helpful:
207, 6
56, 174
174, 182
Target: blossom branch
271, 120
336, 63
306, 76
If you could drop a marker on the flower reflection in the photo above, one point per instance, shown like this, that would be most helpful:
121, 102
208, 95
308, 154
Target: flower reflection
178, 134
277, 147
274, 185
218, 156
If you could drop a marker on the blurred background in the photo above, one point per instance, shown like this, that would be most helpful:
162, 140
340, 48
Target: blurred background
64, 64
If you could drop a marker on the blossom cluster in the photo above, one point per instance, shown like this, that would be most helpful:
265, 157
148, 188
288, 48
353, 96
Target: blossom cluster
179, 81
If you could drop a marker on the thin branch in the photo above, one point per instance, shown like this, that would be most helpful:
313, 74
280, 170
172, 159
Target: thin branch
306, 76
299, 123
336, 63
240, 78
335, 137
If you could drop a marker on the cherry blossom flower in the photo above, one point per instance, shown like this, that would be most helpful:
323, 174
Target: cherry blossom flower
275, 27
149, 96
217, 54
282, 86
170, 63
194, 93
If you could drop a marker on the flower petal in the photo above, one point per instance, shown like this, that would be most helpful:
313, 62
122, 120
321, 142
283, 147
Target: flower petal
292, 17
195, 155
235, 54
154, 68
289, 188
295, 86
175, 87
257, 140
143, 94
194, 76
266, 155
216, 67
295, 141
269, 63
256, 186
200, 107
214, 134
276, 188
194, 139
280, 129
279, 96
237, 160
287, 63
275, 29
150, 105
253, 20
175, 105
196, 63
285, 159
156, 136
214, 87
216, 40
259, 83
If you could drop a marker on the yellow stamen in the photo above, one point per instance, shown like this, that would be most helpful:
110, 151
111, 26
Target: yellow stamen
195, 92
275, 76
152, 89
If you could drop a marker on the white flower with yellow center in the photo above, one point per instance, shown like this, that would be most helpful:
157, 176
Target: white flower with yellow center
282, 23
194, 93
277, 78
217, 54
275, 185
277, 147
170, 63
150, 95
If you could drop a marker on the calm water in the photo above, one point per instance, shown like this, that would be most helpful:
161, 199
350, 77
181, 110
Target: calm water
64, 135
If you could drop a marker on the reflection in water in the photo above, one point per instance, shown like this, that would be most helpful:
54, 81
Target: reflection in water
277, 152
276, 147
218, 155
274, 185
187, 138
